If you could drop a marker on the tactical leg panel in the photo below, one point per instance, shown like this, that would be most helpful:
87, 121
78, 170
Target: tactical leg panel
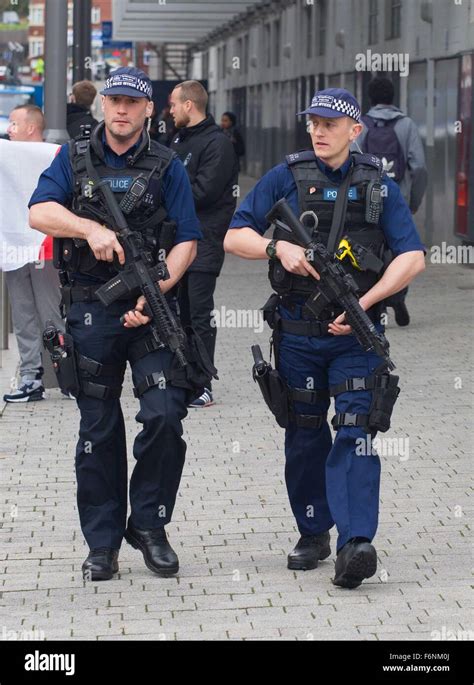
280, 398
385, 392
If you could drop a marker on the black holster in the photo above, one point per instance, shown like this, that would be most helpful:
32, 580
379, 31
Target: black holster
275, 394
383, 401
65, 366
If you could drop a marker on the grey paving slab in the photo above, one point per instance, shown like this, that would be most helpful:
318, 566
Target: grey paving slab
233, 526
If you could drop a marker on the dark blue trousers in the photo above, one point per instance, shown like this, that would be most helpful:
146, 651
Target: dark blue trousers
330, 482
101, 453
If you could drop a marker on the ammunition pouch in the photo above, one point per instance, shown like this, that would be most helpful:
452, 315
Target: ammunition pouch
91, 371
385, 392
193, 377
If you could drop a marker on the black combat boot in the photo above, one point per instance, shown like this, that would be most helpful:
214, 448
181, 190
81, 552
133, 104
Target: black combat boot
308, 551
157, 552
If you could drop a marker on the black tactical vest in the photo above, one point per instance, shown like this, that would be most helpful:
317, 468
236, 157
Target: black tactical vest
318, 194
147, 217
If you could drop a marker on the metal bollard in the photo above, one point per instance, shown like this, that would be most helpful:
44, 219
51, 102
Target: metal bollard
4, 313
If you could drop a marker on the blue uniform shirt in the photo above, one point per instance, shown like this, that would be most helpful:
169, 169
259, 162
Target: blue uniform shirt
396, 220
56, 185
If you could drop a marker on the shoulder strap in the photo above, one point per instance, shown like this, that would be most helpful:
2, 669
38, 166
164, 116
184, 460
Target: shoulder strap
120, 223
301, 156
340, 209
366, 159
368, 121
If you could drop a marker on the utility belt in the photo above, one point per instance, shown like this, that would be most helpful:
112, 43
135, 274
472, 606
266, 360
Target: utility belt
281, 398
88, 293
308, 325
80, 293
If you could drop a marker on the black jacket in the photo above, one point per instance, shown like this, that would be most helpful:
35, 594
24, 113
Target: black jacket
212, 167
76, 116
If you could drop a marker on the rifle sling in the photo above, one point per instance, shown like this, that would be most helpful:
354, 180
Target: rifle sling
109, 197
339, 214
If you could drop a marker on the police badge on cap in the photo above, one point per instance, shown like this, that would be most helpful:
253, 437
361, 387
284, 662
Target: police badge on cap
334, 102
128, 81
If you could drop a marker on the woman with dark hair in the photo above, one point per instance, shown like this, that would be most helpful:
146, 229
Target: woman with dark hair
230, 128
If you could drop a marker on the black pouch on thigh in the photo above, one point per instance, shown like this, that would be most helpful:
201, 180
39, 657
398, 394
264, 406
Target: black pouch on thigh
199, 369
385, 390
383, 402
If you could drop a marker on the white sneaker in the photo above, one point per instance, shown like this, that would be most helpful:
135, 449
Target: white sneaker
28, 391
204, 400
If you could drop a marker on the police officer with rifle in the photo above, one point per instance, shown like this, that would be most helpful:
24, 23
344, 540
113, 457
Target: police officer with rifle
121, 211
343, 241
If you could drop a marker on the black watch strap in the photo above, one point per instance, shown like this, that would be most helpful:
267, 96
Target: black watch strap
271, 249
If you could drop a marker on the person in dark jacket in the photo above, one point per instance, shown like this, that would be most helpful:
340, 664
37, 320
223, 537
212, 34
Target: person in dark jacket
229, 128
384, 114
212, 166
162, 127
78, 108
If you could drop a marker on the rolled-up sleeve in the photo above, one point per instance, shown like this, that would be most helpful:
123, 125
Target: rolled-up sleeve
56, 182
260, 200
179, 203
397, 222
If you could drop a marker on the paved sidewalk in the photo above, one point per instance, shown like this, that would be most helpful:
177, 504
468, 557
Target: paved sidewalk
233, 527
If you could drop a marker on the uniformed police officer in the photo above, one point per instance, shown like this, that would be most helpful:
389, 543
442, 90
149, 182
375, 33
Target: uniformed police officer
120, 150
330, 482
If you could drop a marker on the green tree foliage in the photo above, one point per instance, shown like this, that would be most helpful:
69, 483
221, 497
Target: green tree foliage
19, 6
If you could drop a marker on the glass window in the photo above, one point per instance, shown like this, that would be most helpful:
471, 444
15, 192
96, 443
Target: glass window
95, 15
36, 48
205, 65
238, 53
308, 29
322, 22
277, 43
224, 61
393, 11
36, 17
267, 45
245, 65
373, 21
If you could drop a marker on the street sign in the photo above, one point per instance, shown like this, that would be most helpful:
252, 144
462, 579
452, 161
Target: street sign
106, 30
107, 42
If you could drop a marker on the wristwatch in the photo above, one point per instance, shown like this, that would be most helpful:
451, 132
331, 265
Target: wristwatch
271, 249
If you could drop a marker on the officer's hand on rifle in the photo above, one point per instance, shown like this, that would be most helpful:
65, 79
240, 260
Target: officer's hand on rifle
135, 318
294, 259
103, 243
337, 327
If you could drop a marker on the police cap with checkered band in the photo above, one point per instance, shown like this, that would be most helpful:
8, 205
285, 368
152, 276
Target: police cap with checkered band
128, 81
332, 103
